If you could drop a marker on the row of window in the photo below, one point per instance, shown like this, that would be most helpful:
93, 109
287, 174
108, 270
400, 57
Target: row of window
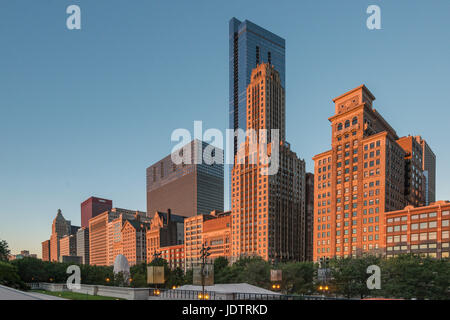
424, 236
347, 124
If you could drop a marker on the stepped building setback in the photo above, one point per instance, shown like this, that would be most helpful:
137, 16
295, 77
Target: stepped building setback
268, 210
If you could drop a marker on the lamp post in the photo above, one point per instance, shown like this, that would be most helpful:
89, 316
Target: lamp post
156, 255
204, 253
323, 288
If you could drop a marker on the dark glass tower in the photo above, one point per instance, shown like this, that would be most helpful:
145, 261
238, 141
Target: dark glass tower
250, 45
187, 189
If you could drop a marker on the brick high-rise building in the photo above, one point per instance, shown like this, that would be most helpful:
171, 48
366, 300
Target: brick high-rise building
268, 210
429, 170
60, 228
54, 247
98, 240
67, 246
217, 234
188, 188
92, 207
105, 234
359, 179
193, 238
134, 241
174, 255
46, 250
114, 239
166, 229
212, 229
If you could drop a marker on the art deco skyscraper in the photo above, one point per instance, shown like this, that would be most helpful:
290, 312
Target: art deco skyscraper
267, 210
60, 228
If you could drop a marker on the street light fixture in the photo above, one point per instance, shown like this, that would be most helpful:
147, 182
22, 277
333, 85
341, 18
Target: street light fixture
204, 253
276, 286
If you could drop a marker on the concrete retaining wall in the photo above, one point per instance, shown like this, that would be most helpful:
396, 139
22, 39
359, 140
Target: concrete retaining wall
107, 291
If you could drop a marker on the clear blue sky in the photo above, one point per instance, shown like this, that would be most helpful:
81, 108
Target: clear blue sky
85, 112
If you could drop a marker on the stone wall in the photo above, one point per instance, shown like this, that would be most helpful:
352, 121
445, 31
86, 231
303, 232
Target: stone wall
107, 291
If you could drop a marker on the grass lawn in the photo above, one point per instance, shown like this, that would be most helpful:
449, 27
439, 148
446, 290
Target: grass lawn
74, 295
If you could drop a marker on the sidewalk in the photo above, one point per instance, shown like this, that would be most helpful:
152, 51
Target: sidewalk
7, 293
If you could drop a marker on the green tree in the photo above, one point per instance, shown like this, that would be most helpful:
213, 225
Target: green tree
96, 274
31, 270
139, 275
9, 276
298, 277
175, 278
4, 251
189, 277
251, 270
120, 280
139, 280
349, 275
416, 277
221, 267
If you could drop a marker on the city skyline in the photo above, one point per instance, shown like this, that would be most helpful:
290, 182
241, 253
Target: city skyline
52, 182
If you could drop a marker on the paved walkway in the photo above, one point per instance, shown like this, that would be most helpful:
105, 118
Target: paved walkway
7, 293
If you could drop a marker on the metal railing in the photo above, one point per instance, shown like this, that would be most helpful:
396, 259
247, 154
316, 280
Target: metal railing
253, 296
194, 295
183, 294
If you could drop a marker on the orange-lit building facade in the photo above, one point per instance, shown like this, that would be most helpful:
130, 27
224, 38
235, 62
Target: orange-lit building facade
114, 239
212, 229
174, 255
46, 250
105, 234
268, 210
98, 244
166, 229
193, 238
217, 235
358, 180
422, 230
134, 242
60, 228
68, 246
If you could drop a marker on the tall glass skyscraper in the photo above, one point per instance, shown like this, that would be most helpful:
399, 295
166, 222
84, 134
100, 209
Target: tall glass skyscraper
250, 45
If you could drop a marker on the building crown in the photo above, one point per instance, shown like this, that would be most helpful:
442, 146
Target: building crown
352, 99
